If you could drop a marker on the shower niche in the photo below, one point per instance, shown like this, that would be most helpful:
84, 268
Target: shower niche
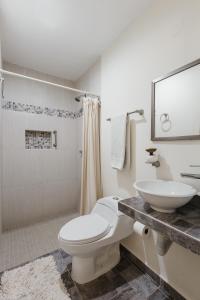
36, 139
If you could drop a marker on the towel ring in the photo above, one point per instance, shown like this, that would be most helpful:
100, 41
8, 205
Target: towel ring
166, 123
164, 117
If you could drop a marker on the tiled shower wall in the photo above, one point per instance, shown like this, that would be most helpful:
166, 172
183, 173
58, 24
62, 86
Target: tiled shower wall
43, 183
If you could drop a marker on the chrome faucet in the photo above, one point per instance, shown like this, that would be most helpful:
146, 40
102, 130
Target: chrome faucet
192, 175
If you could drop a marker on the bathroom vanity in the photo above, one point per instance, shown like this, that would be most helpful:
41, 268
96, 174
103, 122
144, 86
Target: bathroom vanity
182, 226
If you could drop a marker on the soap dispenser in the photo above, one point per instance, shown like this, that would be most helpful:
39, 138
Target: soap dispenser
153, 158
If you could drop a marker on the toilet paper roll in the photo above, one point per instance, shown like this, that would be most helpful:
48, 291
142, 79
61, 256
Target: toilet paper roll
141, 229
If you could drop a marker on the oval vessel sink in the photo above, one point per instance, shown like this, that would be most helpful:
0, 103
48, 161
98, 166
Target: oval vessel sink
165, 196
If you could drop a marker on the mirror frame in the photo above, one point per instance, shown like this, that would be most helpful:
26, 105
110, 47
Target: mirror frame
153, 86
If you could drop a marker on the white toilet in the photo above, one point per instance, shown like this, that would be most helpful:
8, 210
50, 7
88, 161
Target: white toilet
93, 240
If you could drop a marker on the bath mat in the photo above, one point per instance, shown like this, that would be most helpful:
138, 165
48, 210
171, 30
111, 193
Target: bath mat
37, 280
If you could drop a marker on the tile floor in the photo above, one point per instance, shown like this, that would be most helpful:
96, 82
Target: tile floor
25, 244
125, 282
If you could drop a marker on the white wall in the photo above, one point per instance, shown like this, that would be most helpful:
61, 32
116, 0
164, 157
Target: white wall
38, 184
91, 80
163, 39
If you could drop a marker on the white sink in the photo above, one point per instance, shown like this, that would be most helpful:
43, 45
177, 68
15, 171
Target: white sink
165, 196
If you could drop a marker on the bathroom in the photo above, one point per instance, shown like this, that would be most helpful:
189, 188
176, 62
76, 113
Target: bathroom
108, 53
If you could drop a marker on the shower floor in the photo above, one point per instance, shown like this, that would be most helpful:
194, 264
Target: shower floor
25, 244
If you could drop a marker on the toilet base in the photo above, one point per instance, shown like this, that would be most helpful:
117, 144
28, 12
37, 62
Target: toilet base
88, 268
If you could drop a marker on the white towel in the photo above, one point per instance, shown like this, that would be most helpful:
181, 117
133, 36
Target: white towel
127, 162
120, 142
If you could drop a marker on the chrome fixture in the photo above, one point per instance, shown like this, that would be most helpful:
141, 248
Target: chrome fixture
195, 166
165, 122
190, 175
55, 139
2, 87
6, 72
137, 111
80, 98
156, 164
164, 117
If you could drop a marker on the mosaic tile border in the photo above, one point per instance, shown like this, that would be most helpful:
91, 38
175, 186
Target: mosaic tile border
33, 109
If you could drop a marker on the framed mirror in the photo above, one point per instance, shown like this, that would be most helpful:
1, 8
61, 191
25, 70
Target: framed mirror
175, 110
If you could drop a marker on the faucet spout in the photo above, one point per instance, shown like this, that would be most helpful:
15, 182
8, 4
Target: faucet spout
190, 175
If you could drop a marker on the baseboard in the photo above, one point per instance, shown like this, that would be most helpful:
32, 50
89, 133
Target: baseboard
167, 289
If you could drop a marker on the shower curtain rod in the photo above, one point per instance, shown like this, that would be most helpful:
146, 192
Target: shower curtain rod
2, 71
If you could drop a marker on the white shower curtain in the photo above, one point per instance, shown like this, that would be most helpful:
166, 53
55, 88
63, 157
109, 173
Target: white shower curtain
91, 187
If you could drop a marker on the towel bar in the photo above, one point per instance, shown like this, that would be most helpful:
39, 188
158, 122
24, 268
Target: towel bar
137, 111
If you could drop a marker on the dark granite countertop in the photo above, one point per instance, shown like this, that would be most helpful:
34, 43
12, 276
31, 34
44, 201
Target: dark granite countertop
182, 227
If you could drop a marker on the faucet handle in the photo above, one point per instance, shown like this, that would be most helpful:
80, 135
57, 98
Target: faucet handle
151, 151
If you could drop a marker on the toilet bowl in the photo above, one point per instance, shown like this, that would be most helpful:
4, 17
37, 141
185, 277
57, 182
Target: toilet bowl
93, 240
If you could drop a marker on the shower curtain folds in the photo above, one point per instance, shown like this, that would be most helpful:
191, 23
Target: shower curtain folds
91, 186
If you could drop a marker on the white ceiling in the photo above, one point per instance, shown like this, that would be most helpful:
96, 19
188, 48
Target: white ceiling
63, 37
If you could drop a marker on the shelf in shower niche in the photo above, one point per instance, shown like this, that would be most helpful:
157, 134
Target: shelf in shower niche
36, 139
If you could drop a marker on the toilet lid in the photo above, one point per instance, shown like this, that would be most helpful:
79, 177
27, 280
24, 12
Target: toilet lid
85, 229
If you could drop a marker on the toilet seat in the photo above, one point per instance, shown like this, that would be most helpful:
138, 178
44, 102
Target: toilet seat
85, 229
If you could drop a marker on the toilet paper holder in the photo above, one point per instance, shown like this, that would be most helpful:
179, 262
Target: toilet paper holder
141, 229
163, 243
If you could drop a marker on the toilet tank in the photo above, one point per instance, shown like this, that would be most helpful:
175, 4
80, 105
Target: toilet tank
107, 208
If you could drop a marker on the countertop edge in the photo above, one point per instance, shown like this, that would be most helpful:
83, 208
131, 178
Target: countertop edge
174, 234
